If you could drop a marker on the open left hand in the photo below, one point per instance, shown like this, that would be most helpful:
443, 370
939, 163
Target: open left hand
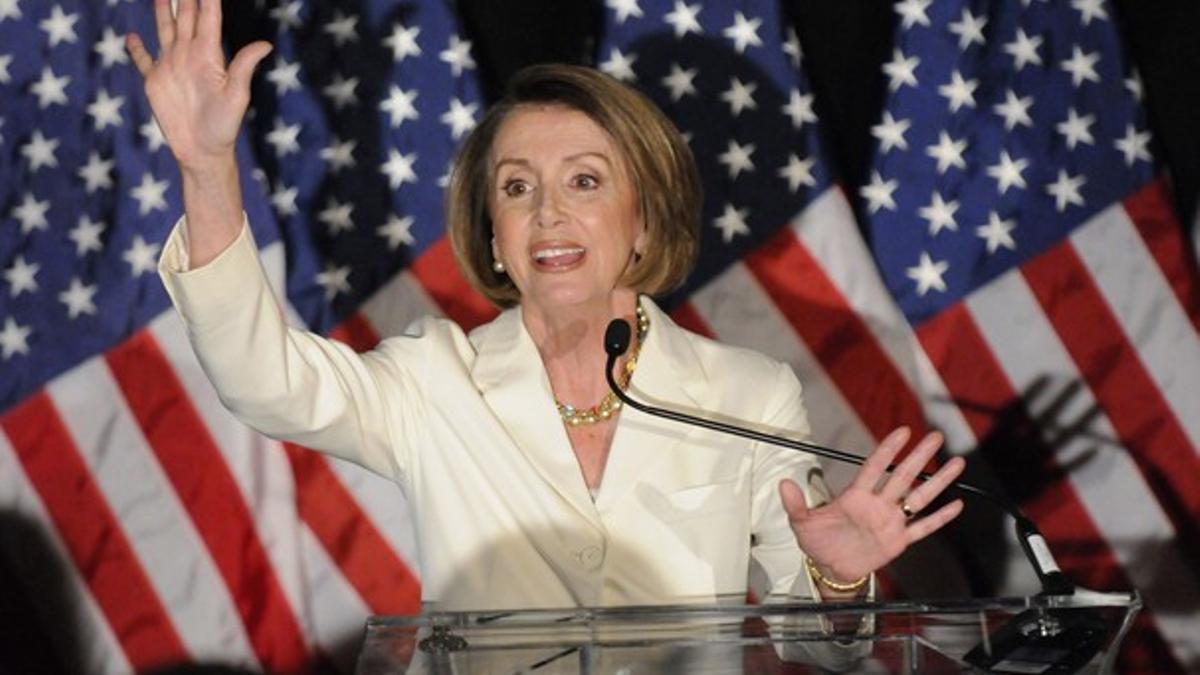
866, 526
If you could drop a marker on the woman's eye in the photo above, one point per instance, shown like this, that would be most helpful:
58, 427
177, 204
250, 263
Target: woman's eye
515, 188
586, 182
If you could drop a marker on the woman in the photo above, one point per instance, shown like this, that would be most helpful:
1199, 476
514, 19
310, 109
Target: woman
571, 203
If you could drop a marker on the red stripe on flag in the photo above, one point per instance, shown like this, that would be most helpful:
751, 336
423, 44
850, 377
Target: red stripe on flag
981, 390
836, 335
686, 316
1153, 215
978, 384
1118, 379
92, 535
193, 463
381, 578
438, 273
357, 332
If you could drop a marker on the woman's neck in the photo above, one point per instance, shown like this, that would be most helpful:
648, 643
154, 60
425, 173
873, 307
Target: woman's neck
570, 341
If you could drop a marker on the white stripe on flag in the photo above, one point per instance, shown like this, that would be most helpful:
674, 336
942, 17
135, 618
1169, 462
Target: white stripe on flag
159, 529
337, 612
827, 229
1147, 309
398, 303
738, 311
1108, 483
93, 647
258, 465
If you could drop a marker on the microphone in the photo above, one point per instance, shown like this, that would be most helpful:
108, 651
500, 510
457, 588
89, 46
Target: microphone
616, 342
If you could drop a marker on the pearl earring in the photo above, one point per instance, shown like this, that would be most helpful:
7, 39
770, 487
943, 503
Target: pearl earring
498, 267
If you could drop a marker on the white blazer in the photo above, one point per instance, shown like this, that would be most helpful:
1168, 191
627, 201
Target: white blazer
467, 426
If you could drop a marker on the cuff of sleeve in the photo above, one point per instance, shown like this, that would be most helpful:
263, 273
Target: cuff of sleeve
207, 294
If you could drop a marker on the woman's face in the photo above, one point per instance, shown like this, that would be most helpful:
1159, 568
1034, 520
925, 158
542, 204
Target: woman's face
564, 212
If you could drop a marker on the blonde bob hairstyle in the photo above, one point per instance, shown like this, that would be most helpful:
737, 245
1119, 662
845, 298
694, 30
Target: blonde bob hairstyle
655, 157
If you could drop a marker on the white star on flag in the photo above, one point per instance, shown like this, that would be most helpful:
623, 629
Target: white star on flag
680, 82
335, 280
458, 55
403, 42
14, 339
1024, 50
337, 216
732, 222
50, 89
59, 27
739, 96
798, 172
928, 274
684, 19
22, 276
799, 109
399, 105
339, 154
890, 132
40, 151
620, 65
141, 256
342, 29
901, 70
32, 213
78, 298
948, 152
1065, 190
969, 29
959, 92
106, 110
285, 76
150, 194
940, 214
912, 12
397, 231
997, 233
624, 9
743, 32
1134, 145
737, 158
1014, 110
1007, 172
1076, 129
460, 118
399, 168
97, 173
878, 193
1081, 66
86, 235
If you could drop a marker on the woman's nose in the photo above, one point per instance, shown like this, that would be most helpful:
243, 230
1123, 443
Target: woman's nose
549, 208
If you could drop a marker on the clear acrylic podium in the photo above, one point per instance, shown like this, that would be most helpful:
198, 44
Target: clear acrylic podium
1056, 634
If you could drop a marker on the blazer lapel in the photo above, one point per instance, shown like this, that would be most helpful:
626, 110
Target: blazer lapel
669, 374
513, 382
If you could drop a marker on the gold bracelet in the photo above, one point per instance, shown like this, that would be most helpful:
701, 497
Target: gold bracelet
839, 586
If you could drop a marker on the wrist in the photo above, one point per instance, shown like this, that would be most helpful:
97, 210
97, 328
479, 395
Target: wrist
210, 169
831, 585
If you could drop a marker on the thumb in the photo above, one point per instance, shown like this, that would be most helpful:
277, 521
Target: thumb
241, 69
793, 500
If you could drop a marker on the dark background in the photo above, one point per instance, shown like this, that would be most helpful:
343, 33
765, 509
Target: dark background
845, 43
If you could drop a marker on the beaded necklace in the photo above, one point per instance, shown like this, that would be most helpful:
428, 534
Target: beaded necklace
610, 404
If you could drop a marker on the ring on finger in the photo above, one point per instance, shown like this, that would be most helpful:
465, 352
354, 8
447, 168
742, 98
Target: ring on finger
908, 510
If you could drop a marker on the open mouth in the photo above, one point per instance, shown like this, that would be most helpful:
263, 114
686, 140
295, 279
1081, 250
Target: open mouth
558, 257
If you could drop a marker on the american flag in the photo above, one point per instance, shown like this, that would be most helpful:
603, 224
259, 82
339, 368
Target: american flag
1018, 280
166, 532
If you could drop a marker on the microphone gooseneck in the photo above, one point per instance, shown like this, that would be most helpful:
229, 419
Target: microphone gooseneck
616, 341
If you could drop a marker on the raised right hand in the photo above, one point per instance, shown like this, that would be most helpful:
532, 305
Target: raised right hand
198, 102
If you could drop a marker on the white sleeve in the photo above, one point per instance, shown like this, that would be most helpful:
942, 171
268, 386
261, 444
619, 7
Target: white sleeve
289, 384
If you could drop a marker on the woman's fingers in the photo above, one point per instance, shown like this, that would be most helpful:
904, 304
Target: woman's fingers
241, 69
877, 462
208, 24
901, 480
927, 525
185, 20
926, 492
165, 22
793, 500
137, 51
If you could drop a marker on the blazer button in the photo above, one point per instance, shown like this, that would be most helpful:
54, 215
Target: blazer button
590, 557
